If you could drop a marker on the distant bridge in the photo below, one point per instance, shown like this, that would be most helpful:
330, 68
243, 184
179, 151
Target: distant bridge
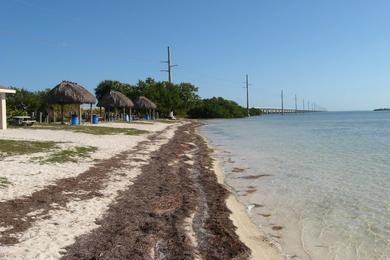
267, 110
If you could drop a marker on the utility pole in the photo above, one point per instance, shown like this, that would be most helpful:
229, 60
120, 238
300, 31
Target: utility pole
296, 105
247, 94
281, 95
169, 66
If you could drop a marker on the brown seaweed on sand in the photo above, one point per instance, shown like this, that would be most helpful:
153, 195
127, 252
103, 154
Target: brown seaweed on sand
147, 220
264, 215
277, 228
236, 170
252, 177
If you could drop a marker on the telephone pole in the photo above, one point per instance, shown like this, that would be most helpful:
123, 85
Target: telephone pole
169, 66
247, 95
281, 95
296, 105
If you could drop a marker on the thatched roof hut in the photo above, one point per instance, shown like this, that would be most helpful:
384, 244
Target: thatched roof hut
144, 103
115, 99
68, 92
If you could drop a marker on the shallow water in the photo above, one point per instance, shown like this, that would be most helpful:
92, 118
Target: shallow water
320, 182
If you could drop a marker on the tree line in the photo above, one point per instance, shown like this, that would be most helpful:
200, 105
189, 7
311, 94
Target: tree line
182, 99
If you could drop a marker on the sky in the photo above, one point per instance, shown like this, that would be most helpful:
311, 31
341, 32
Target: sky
334, 53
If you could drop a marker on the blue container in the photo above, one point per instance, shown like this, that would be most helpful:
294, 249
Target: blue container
75, 120
95, 119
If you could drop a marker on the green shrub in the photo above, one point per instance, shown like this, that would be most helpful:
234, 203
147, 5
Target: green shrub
217, 108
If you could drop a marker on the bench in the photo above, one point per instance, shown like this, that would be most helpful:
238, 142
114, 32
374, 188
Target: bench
23, 121
28, 122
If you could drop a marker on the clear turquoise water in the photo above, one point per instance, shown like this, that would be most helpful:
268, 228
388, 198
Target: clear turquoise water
329, 183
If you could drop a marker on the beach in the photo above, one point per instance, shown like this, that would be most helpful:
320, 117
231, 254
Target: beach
155, 195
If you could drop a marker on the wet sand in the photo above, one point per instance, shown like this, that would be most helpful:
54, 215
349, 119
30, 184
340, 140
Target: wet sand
247, 231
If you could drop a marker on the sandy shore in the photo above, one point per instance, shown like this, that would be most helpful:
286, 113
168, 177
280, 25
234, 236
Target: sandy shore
47, 206
32, 176
154, 196
247, 231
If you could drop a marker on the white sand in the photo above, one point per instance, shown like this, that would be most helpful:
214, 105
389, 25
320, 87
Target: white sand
47, 237
27, 176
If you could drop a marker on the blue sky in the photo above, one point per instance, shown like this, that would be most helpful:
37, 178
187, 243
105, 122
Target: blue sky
336, 53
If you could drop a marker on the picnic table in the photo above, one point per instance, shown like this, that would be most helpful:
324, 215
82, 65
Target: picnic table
23, 120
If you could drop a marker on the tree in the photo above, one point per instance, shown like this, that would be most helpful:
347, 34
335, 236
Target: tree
106, 86
217, 108
181, 98
25, 102
167, 96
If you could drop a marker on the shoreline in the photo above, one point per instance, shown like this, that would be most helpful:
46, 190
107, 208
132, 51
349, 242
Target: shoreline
175, 209
247, 231
165, 197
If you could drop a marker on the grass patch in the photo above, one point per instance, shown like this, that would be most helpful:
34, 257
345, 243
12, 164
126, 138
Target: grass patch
70, 155
16, 147
167, 121
94, 130
4, 182
141, 122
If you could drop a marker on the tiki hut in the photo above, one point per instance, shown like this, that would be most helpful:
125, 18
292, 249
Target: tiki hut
115, 99
144, 103
68, 92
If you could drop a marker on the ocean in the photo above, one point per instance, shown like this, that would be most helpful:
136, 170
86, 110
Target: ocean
317, 184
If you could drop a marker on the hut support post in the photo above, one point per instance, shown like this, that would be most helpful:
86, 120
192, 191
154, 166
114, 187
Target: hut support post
108, 118
130, 118
80, 114
124, 114
90, 112
62, 114
150, 114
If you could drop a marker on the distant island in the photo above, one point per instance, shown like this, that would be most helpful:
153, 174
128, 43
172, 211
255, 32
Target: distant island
382, 109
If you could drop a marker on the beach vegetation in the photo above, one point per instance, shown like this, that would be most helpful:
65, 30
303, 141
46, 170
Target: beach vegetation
218, 107
25, 102
165, 121
167, 96
69, 155
4, 182
182, 99
87, 129
19, 147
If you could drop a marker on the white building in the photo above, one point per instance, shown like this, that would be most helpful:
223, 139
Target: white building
3, 108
